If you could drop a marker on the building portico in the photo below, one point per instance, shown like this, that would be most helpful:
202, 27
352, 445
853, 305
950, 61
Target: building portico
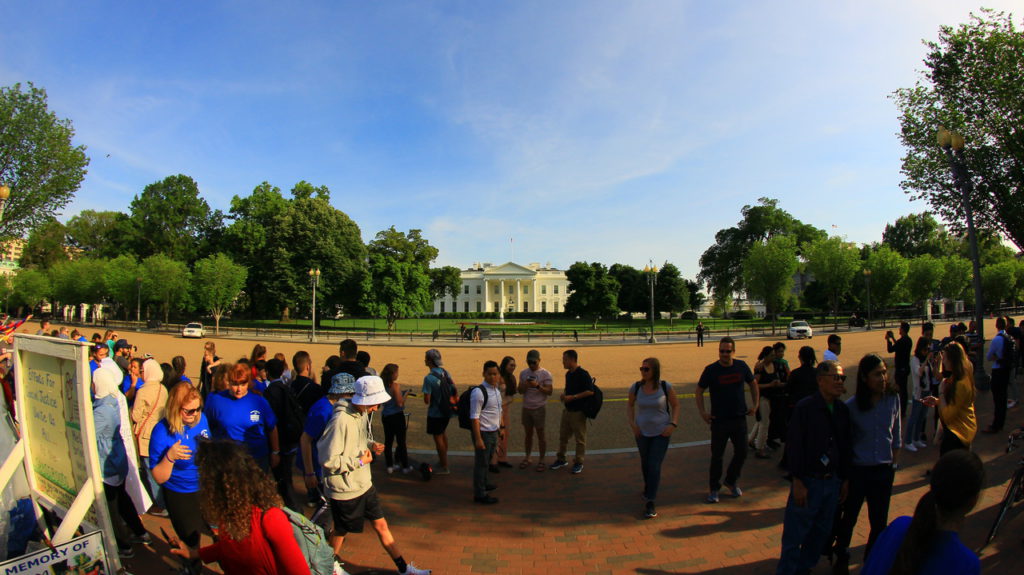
508, 288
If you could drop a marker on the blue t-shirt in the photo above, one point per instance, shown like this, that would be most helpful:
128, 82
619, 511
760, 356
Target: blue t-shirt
247, 420
947, 555
185, 379
126, 384
432, 386
259, 386
185, 475
316, 423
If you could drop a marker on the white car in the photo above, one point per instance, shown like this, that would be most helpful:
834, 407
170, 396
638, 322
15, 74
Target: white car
193, 330
799, 329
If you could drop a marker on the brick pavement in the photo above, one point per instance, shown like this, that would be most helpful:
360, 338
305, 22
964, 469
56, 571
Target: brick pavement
554, 522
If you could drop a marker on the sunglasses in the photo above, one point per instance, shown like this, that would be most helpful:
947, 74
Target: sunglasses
725, 351
839, 377
191, 411
645, 369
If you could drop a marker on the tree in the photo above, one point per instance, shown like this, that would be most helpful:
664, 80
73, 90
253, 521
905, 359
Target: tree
973, 85
446, 281
768, 272
721, 265
888, 272
916, 235
998, 282
169, 217
166, 282
31, 287
37, 160
398, 283
670, 293
956, 275
45, 246
694, 296
633, 296
79, 281
924, 275
217, 282
593, 292
98, 234
123, 279
833, 263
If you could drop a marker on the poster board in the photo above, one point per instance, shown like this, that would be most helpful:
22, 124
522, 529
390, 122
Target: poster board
83, 555
57, 448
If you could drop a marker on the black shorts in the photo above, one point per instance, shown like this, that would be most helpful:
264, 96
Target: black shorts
349, 514
437, 425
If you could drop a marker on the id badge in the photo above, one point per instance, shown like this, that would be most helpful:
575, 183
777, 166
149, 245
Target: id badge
824, 461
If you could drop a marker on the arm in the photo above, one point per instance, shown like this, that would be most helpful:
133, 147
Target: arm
476, 401
700, 406
673, 402
142, 408
334, 457
755, 396
162, 471
309, 476
396, 392
630, 411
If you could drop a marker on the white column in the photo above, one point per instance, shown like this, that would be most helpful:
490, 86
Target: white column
487, 304
533, 304
501, 300
519, 296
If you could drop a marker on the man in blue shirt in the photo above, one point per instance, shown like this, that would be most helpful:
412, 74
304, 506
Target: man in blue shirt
1000, 353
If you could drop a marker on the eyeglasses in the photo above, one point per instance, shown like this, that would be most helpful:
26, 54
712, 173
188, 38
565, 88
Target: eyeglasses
725, 351
644, 368
191, 411
837, 377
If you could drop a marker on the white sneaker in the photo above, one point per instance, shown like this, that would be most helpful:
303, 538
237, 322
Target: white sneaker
411, 569
910, 447
1010, 404
408, 469
921, 444
391, 469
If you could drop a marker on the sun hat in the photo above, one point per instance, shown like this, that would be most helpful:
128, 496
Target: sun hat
342, 384
370, 391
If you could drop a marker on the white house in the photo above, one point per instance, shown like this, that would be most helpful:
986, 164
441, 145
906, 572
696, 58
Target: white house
507, 288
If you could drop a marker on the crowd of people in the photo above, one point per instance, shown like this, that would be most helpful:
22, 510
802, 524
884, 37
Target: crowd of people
221, 450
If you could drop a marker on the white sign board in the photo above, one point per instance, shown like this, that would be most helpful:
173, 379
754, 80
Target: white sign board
81, 556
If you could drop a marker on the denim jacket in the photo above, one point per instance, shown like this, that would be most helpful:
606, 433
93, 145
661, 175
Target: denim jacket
113, 458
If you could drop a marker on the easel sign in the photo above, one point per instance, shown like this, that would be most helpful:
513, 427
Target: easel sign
57, 449
83, 555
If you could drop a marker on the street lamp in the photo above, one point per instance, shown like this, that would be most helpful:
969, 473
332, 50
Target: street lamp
5, 192
314, 279
953, 144
652, 278
867, 278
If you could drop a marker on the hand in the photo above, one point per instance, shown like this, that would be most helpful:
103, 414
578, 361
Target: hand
636, 430
366, 457
178, 452
310, 481
378, 448
800, 493
752, 411
844, 490
479, 443
707, 417
180, 549
930, 401
562, 397
667, 432
275, 460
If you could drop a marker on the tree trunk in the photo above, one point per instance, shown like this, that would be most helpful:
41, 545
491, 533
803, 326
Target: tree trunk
216, 322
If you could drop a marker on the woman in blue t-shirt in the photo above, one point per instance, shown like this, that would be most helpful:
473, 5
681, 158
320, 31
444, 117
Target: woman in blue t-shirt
172, 448
244, 417
927, 543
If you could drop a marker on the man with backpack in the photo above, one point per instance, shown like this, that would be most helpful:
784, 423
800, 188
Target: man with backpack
290, 420
439, 394
485, 422
579, 387
1000, 353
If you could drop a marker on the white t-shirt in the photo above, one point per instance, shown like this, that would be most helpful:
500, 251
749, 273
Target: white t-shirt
533, 397
489, 415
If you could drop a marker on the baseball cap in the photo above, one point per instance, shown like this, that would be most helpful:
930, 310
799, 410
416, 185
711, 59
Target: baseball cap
435, 357
121, 344
532, 355
370, 391
342, 383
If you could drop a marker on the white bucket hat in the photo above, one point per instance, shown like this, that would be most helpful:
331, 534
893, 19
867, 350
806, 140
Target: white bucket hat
370, 391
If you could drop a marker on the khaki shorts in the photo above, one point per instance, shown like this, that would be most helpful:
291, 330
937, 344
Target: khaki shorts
535, 417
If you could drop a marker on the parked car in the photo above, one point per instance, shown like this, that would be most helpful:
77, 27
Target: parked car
193, 330
799, 329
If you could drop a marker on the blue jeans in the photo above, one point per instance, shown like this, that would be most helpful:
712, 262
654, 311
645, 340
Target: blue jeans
155, 489
915, 427
806, 529
481, 460
652, 454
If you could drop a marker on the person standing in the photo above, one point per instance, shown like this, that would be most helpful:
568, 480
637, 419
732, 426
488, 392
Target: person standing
439, 406
147, 411
875, 420
281, 399
245, 417
958, 425
393, 420
508, 389
306, 390
700, 334
208, 364
343, 386
819, 454
485, 417
769, 384
536, 385
1000, 353
652, 411
578, 387
920, 388
901, 348
724, 381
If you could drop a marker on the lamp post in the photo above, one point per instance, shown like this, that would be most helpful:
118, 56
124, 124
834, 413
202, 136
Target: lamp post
5, 192
953, 144
314, 279
652, 278
867, 279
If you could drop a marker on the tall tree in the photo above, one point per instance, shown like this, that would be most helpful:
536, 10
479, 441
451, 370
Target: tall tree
833, 263
924, 276
998, 282
694, 296
31, 287
956, 275
721, 265
98, 234
446, 281
888, 272
123, 279
593, 292
217, 283
974, 85
916, 235
768, 272
37, 160
671, 293
45, 246
165, 281
398, 283
633, 289
169, 217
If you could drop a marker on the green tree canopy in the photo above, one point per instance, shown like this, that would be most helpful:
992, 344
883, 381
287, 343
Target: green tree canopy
998, 283
768, 272
671, 293
916, 235
217, 282
31, 287
165, 281
633, 296
924, 275
956, 276
99, 234
169, 217
45, 246
37, 160
888, 272
445, 281
833, 263
973, 85
593, 292
398, 283
123, 279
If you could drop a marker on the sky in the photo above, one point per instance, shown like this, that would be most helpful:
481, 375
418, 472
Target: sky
549, 132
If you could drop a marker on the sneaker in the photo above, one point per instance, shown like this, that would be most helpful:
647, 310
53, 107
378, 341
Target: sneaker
441, 471
486, 500
125, 552
735, 490
712, 497
158, 512
144, 539
411, 569
408, 469
1010, 404
577, 469
558, 464
649, 511
921, 444
910, 447
391, 469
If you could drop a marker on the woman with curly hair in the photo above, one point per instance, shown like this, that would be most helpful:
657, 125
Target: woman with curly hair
254, 534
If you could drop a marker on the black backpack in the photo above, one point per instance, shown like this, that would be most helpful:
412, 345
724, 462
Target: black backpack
1006, 359
290, 419
447, 403
592, 404
463, 406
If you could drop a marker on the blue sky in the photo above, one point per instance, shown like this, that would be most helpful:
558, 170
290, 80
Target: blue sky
599, 130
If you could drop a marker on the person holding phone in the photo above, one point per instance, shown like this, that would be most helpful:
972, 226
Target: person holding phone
958, 425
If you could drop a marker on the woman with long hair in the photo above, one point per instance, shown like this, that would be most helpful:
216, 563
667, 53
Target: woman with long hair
875, 430
768, 383
259, 353
652, 411
206, 366
957, 424
920, 388
172, 448
245, 417
393, 420
147, 411
178, 363
219, 381
507, 387
928, 541
254, 535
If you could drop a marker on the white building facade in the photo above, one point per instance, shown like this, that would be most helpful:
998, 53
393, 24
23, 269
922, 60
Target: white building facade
508, 288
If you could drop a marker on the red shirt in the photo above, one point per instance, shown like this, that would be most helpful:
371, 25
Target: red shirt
270, 548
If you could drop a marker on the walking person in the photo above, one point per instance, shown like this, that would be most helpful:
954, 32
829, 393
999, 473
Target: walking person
875, 426
957, 424
768, 384
173, 446
724, 381
508, 387
536, 385
438, 395
578, 387
396, 452
343, 387
485, 419
652, 410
